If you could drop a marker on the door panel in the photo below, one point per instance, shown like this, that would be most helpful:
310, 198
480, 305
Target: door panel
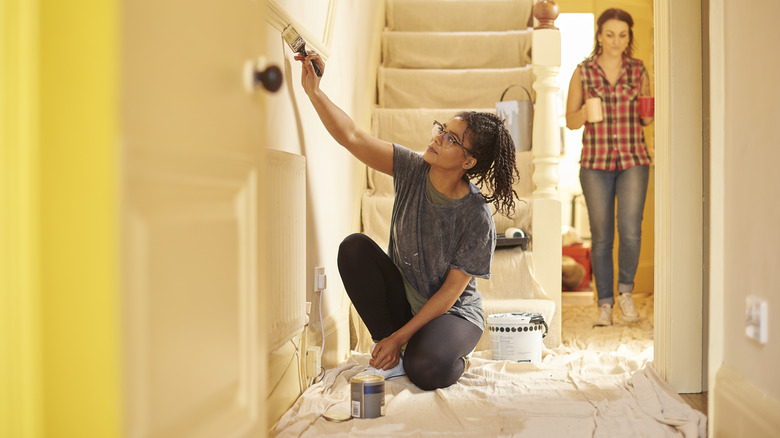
192, 140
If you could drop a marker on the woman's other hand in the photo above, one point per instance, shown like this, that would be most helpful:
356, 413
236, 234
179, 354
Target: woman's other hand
309, 80
386, 354
644, 90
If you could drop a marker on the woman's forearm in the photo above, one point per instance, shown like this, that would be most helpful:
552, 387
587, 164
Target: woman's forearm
437, 305
433, 308
575, 119
339, 125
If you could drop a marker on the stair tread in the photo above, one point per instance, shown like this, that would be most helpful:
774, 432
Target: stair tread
462, 15
411, 127
442, 88
456, 50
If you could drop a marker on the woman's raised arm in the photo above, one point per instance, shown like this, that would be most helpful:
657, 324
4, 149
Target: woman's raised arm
375, 153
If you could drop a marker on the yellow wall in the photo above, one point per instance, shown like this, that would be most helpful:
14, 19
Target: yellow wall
20, 378
642, 13
78, 139
61, 57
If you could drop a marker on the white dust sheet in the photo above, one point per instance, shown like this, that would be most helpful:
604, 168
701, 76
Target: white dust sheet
599, 383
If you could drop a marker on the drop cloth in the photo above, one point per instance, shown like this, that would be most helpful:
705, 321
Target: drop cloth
599, 383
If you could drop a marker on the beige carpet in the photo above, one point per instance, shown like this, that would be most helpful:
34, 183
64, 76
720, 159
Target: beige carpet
608, 389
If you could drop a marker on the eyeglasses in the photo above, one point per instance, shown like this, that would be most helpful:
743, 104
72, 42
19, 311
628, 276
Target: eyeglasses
448, 138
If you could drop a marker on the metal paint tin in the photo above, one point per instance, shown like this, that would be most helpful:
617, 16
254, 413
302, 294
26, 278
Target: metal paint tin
368, 396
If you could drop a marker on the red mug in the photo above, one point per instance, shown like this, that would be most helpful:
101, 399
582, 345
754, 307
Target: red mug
646, 106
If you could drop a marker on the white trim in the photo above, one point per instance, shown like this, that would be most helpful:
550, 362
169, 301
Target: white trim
717, 194
746, 410
678, 195
662, 56
279, 18
327, 35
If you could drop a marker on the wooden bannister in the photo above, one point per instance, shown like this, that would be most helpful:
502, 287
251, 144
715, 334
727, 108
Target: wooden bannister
546, 152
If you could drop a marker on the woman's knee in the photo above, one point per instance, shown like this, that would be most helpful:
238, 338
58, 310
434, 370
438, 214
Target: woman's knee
429, 373
354, 247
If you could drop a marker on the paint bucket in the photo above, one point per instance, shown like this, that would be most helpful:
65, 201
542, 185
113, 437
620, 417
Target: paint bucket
368, 396
518, 116
517, 336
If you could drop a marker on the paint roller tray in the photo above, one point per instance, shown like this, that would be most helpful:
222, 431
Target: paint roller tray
506, 242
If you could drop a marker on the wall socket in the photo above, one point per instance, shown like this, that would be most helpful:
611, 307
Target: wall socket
320, 279
756, 319
312, 362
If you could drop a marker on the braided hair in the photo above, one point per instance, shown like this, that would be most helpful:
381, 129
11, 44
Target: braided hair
494, 150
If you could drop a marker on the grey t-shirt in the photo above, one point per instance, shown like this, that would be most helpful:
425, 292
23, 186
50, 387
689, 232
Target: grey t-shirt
427, 240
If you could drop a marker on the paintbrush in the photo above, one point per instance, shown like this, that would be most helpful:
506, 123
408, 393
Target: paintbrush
298, 44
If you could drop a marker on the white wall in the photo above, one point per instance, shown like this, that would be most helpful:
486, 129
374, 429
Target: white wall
752, 209
334, 178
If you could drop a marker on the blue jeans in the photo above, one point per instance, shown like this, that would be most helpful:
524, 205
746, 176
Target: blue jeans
601, 188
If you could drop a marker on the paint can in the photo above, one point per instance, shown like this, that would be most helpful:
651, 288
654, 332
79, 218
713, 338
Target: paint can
368, 396
517, 336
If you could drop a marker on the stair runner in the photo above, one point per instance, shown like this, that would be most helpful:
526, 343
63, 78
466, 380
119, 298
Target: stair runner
440, 57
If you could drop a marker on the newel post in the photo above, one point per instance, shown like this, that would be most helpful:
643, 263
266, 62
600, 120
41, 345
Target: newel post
546, 152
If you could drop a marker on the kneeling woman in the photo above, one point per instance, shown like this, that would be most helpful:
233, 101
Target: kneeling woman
424, 293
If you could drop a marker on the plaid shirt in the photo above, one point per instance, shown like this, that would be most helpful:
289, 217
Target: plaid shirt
618, 141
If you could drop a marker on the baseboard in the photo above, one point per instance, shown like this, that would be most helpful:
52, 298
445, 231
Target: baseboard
336, 334
284, 378
742, 409
285, 372
578, 297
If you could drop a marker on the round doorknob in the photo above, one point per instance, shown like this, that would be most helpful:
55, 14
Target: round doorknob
271, 78
256, 74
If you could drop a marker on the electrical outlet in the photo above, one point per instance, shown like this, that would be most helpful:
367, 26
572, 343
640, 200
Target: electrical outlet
756, 319
312, 362
320, 279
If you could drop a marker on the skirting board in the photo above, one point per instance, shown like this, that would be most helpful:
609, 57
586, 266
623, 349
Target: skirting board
336, 334
741, 409
284, 378
285, 370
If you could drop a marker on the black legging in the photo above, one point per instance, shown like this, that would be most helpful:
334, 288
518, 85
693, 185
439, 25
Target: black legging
433, 357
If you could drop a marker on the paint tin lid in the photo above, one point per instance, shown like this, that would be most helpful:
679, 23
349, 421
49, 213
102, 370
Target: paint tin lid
336, 416
367, 379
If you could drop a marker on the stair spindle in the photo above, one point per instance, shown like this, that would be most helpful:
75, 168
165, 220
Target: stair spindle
546, 151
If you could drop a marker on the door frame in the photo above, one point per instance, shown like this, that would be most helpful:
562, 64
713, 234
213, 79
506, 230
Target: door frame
679, 214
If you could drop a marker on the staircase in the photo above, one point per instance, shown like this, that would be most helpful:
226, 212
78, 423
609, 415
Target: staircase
440, 57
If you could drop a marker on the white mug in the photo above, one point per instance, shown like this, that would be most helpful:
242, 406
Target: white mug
593, 109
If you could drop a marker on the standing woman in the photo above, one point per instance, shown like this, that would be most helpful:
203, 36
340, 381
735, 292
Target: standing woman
422, 293
615, 163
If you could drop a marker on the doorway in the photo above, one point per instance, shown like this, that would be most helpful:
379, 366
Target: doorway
579, 303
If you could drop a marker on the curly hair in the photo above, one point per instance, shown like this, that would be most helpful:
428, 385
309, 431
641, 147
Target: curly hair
494, 150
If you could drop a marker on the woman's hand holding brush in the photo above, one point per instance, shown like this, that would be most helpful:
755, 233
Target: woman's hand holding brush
309, 79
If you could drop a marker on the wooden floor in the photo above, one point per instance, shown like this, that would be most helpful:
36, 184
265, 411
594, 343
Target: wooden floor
696, 401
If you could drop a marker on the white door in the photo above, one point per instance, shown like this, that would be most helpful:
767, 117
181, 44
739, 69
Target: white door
192, 138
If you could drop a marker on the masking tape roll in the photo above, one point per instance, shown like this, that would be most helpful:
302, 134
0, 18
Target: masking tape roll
514, 232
